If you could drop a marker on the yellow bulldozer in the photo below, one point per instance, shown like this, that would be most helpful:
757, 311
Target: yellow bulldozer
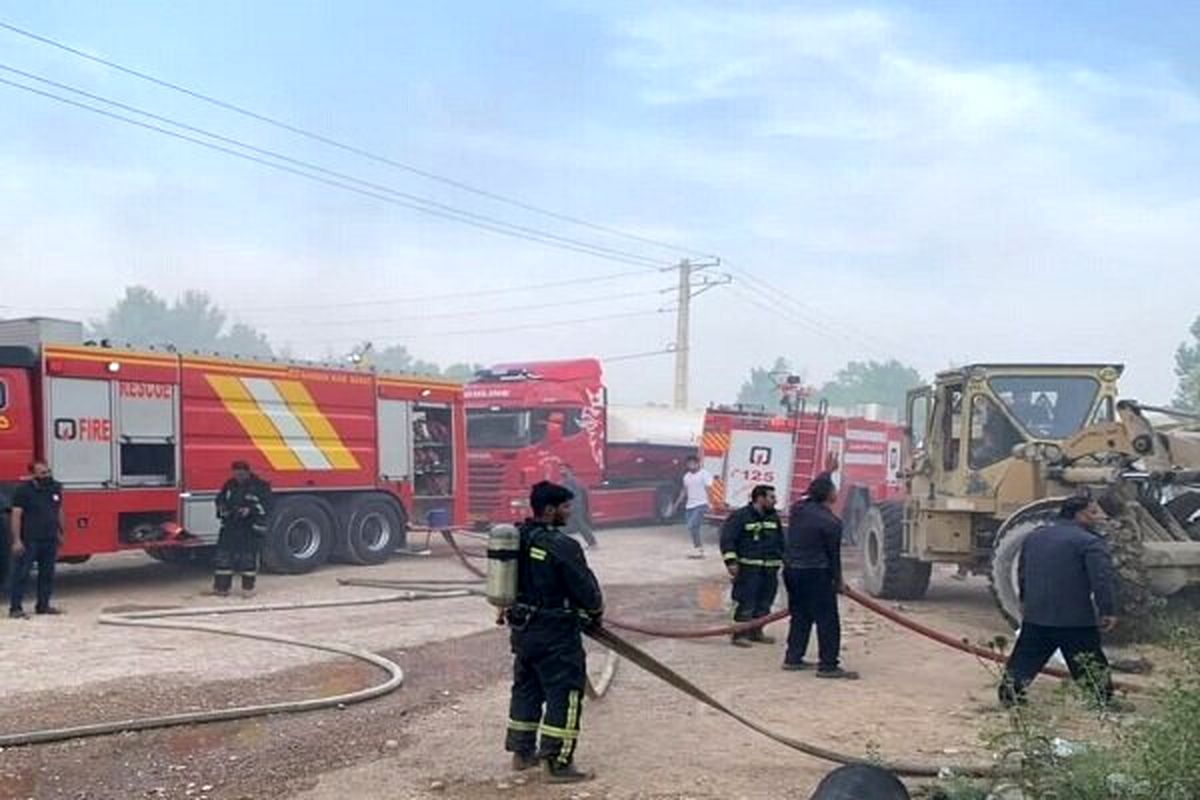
993, 449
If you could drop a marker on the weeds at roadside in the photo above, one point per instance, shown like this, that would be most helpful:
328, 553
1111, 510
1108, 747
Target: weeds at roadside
1153, 757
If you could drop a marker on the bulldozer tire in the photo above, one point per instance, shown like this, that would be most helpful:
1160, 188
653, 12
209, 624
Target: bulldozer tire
1006, 554
1186, 509
1125, 545
887, 573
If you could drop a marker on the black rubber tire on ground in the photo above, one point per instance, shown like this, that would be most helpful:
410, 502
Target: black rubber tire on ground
887, 573
1186, 509
664, 501
300, 534
373, 527
1006, 550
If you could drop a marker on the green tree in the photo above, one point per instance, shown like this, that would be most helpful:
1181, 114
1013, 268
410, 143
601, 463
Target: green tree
884, 382
396, 358
191, 322
762, 387
461, 372
1187, 369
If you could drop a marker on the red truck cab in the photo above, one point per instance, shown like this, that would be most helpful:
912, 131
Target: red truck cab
525, 421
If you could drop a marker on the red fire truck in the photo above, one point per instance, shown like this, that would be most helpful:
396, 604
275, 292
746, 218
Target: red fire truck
142, 440
745, 447
525, 421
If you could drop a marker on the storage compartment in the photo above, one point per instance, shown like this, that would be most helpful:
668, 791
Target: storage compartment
433, 463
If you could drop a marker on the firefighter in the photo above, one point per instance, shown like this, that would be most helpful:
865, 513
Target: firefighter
242, 507
752, 546
557, 597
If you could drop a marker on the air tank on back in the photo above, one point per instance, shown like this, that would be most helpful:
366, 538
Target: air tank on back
504, 546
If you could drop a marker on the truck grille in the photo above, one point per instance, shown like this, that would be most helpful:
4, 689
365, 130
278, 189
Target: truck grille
485, 482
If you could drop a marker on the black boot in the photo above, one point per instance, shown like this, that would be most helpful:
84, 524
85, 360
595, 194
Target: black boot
565, 773
524, 761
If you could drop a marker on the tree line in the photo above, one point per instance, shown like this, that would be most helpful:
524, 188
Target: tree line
194, 322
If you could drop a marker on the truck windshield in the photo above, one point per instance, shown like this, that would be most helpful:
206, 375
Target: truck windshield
497, 428
1048, 407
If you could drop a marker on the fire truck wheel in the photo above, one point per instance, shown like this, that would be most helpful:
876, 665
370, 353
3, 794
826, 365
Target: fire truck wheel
887, 573
299, 537
375, 526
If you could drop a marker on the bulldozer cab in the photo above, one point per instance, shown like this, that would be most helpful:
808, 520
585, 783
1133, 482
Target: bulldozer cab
964, 430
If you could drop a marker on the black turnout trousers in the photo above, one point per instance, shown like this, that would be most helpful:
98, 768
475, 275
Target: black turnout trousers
549, 677
237, 553
754, 591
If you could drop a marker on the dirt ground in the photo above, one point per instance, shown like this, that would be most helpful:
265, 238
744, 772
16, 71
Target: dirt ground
441, 734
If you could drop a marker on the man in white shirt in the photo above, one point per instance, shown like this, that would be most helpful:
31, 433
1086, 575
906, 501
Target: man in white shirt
694, 497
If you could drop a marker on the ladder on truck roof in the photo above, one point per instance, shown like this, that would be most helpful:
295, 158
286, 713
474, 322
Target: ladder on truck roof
810, 438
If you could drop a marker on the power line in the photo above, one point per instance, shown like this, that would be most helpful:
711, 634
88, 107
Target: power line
447, 295
399, 338
636, 356
774, 293
415, 202
765, 301
349, 148
460, 313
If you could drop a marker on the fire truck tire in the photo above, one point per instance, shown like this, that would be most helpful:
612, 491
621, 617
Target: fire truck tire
374, 526
299, 536
887, 573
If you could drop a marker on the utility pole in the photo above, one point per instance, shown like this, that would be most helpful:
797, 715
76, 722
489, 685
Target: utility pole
683, 318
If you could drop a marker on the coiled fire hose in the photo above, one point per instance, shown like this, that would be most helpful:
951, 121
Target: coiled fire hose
171, 620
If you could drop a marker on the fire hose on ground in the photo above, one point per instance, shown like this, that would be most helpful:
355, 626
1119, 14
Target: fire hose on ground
440, 589
171, 620
863, 600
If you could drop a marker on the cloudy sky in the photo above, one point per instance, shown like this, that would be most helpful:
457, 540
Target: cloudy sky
939, 182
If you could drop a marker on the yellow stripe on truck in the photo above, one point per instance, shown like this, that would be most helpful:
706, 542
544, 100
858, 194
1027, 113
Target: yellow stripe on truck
238, 402
322, 432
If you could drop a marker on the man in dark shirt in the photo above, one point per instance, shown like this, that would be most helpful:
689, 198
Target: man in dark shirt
1066, 581
813, 576
38, 529
752, 546
557, 597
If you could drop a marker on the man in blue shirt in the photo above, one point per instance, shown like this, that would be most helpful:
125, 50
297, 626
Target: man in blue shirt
1068, 599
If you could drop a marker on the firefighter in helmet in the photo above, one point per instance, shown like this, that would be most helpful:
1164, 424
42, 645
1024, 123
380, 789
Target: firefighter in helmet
557, 597
242, 507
